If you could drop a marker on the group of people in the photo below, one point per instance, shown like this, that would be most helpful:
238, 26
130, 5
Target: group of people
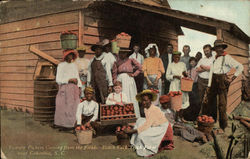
111, 79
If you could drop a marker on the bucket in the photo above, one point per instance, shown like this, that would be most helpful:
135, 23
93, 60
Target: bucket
205, 127
187, 84
84, 137
68, 41
176, 102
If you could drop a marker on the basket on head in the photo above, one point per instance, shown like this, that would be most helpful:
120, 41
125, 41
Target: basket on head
84, 137
186, 84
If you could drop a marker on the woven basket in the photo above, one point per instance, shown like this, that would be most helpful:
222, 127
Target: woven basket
176, 102
84, 137
205, 127
186, 85
122, 139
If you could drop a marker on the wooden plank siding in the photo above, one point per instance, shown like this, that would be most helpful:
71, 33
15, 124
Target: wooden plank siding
239, 50
17, 64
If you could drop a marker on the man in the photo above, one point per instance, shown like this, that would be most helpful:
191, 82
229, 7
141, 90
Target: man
140, 59
82, 64
166, 59
99, 74
198, 56
219, 81
203, 68
107, 52
185, 58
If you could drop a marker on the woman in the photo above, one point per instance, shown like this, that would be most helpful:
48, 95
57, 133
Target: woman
176, 70
153, 69
123, 70
153, 133
68, 96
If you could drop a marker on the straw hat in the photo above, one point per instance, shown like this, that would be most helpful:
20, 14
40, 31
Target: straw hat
82, 48
89, 90
67, 52
219, 43
147, 91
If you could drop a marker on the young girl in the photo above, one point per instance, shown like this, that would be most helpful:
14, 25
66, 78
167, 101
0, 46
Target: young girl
87, 111
68, 96
117, 97
153, 69
176, 70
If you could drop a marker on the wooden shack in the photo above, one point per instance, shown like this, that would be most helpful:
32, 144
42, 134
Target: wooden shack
39, 23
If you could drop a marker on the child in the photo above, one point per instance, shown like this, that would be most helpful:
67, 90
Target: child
186, 131
117, 97
176, 70
87, 111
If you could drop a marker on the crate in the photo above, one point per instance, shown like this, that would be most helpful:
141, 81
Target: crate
123, 40
117, 114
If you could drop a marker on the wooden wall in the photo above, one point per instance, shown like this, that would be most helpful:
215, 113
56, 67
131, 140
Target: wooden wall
239, 50
17, 64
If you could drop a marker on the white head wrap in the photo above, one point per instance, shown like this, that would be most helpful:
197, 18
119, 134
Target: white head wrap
151, 46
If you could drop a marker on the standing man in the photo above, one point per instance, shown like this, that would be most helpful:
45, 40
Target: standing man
203, 68
140, 59
185, 58
166, 59
99, 74
219, 81
107, 52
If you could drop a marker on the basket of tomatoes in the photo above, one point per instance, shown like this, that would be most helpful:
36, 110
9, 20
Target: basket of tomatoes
186, 84
123, 40
84, 134
117, 114
205, 123
122, 137
176, 100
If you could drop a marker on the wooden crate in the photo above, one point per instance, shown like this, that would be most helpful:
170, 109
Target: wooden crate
116, 114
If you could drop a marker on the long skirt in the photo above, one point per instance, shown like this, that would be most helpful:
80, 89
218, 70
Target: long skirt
129, 88
150, 141
152, 78
67, 100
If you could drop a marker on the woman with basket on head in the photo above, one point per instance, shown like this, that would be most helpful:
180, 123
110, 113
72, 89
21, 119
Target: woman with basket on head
153, 69
153, 133
176, 70
68, 96
123, 70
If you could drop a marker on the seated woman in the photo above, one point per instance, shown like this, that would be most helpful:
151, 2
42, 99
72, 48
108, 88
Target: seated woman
176, 70
68, 96
153, 69
186, 131
117, 97
87, 111
125, 70
153, 133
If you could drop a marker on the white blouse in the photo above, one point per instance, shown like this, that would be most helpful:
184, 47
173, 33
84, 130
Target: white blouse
139, 58
66, 71
82, 64
87, 109
114, 98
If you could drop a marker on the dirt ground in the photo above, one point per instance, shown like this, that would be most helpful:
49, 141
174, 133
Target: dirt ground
24, 138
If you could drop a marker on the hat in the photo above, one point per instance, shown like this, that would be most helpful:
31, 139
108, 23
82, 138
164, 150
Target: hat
164, 99
219, 43
97, 45
89, 89
176, 53
105, 42
124, 50
147, 91
82, 48
67, 52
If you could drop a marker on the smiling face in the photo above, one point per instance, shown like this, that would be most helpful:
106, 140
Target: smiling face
88, 96
146, 101
176, 58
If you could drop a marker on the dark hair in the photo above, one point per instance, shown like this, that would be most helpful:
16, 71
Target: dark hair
207, 45
186, 46
192, 59
150, 96
170, 45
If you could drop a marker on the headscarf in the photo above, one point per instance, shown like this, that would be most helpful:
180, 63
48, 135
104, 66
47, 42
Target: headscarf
67, 52
151, 46
164, 99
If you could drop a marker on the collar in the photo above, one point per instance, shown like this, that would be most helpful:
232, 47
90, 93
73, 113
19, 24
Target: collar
100, 57
224, 54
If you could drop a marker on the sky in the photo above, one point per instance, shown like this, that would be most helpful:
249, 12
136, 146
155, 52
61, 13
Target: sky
234, 11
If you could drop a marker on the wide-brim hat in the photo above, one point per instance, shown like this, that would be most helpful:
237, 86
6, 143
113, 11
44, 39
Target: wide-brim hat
67, 52
105, 42
219, 43
147, 91
122, 50
82, 48
97, 45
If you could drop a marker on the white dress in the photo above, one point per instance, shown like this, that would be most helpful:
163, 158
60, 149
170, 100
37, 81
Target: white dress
176, 69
